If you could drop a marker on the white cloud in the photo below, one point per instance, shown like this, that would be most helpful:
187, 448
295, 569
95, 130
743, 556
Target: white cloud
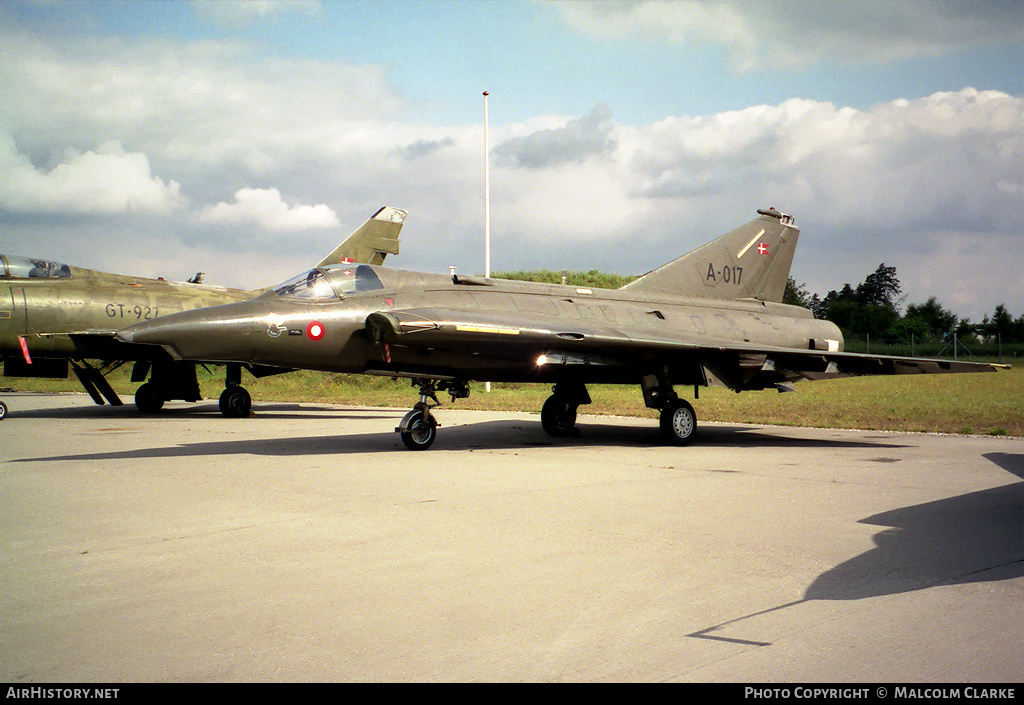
266, 208
237, 14
796, 33
190, 105
905, 164
105, 181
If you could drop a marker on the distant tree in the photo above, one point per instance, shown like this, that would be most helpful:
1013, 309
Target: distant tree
868, 310
1000, 326
796, 294
881, 288
937, 322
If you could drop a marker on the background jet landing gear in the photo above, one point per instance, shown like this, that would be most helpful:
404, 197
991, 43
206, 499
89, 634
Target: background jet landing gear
148, 398
558, 415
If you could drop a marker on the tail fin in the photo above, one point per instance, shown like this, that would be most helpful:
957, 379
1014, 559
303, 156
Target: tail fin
752, 261
372, 242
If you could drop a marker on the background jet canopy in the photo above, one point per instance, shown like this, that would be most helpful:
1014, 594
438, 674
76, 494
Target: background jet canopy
15, 267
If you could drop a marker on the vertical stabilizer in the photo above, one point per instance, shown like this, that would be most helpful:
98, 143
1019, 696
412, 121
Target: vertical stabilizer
752, 261
372, 242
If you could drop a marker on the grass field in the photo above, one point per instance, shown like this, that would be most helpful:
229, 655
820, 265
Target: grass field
986, 403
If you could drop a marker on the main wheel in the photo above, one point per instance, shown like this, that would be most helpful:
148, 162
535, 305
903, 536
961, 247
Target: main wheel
235, 402
3, 411
420, 431
148, 398
558, 416
678, 422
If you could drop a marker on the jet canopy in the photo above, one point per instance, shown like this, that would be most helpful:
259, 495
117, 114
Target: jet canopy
333, 282
14, 267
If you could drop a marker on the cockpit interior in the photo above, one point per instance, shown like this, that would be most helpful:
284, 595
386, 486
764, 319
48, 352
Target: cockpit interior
14, 267
330, 283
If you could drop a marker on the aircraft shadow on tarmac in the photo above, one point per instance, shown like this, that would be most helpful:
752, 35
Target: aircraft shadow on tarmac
486, 435
974, 537
279, 410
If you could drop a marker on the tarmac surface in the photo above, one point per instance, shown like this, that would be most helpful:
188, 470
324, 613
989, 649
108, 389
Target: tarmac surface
305, 543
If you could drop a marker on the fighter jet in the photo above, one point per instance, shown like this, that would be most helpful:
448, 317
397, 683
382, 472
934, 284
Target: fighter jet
713, 316
53, 315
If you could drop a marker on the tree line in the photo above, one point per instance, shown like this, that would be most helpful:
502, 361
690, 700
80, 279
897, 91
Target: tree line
871, 312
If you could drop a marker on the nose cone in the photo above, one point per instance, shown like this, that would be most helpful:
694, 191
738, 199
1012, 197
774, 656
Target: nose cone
216, 334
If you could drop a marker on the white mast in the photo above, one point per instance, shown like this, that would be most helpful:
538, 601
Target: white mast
487, 195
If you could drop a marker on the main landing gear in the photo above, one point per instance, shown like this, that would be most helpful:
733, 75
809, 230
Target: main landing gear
558, 415
678, 420
419, 427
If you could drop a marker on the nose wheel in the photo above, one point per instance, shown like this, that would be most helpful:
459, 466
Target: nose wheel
418, 429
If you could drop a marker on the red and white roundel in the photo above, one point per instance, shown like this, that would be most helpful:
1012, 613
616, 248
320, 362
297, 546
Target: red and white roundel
315, 330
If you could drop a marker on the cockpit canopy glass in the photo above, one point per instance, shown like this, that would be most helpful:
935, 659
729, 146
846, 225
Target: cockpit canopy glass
14, 267
325, 283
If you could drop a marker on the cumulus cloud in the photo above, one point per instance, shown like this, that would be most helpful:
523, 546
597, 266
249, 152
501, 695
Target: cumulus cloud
795, 33
190, 105
576, 141
907, 164
105, 181
266, 208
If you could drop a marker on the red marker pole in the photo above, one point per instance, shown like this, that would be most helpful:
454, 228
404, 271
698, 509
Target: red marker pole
24, 350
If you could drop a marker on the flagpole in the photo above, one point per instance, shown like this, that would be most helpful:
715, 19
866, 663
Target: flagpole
487, 205
487, 195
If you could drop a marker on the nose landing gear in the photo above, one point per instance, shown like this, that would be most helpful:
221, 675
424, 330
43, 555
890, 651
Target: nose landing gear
419, 427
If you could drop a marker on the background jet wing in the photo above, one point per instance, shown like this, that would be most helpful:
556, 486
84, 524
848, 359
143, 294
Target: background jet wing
737, 365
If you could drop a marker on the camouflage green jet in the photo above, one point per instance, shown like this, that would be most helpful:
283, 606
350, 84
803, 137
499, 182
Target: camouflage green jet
53, 315
713, 316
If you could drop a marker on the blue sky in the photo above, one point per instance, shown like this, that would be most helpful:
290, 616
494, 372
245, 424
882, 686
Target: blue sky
159, 137
442, 53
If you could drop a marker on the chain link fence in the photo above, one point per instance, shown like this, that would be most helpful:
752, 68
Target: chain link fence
965, 348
